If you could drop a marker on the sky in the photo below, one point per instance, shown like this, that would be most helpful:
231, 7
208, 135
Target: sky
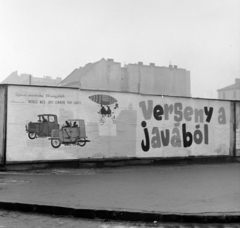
53, 37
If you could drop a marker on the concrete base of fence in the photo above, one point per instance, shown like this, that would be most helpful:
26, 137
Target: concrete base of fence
116, 162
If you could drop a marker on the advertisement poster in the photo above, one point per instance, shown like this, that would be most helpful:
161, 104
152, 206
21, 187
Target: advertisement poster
88, 124
60, 124
176, 127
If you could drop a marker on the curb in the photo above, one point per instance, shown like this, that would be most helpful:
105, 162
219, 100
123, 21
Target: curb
121, 215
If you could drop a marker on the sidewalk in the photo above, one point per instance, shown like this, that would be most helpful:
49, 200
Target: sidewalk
200, 192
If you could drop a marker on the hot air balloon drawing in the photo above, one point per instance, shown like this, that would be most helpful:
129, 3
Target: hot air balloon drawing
105, 102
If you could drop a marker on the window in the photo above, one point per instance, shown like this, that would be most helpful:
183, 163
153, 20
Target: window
44, 119
51, 118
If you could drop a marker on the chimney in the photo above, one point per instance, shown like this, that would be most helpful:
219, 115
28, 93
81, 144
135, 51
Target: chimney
175, 66
237, 81
140, 63
110, 60
152, 64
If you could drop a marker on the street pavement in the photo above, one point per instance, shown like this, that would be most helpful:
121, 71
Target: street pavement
212, 189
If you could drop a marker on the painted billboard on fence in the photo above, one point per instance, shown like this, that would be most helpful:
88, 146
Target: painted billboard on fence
59, 124
175, 127
39, 119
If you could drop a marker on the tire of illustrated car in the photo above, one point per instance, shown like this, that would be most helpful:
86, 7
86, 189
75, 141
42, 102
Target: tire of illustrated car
56, 143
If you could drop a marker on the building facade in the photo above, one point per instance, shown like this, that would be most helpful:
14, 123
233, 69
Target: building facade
138, 78
28, 79
231, 92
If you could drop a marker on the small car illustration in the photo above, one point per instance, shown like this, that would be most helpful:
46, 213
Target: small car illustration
72, 133
43, 128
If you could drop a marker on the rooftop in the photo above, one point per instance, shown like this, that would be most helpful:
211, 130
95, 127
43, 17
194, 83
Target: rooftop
235, 86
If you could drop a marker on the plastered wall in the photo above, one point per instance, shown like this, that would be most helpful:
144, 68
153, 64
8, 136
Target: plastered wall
229, 94
136, 78
164, 80
117, 125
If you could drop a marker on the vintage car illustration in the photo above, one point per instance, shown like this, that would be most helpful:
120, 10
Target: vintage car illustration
72, 133
43, 128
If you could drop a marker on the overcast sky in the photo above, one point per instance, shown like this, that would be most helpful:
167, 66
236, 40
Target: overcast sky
53, 37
